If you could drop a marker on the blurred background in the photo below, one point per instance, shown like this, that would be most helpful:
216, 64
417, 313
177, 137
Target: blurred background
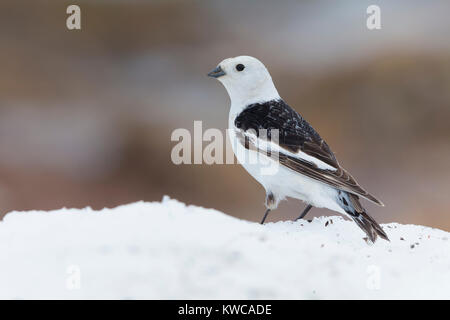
86, 116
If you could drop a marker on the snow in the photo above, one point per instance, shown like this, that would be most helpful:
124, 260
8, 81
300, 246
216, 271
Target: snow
167, 250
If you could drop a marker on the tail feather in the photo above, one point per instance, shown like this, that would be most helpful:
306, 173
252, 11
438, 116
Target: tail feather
364, 221
370, 227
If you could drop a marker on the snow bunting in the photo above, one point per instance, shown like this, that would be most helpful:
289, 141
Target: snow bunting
308, 169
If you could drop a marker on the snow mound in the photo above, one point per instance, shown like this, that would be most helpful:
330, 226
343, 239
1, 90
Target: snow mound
167, 250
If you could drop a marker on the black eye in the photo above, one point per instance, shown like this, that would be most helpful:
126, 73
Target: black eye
240, 67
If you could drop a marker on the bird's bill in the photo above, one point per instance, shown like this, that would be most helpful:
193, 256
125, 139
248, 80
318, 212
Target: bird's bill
216, 73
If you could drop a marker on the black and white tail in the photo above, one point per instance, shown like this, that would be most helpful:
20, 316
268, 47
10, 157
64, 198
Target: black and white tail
362, 219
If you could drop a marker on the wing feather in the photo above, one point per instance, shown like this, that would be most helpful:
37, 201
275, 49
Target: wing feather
296, 135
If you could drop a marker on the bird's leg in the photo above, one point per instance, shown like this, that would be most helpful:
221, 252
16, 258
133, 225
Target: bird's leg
265, 216
270, 204
308, 207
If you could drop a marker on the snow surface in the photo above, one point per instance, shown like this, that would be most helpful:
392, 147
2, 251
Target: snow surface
167, 250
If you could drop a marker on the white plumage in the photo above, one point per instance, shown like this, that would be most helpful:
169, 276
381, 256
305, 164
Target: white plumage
307, 168
257, 87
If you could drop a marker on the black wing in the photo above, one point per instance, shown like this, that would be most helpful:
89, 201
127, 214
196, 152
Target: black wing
295, 134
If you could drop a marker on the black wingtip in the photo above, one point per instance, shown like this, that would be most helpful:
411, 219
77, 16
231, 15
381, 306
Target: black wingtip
373, 199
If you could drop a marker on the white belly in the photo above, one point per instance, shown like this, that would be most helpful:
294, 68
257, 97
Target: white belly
284, 182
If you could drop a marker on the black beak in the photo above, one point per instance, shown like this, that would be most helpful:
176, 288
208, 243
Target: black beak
216, 73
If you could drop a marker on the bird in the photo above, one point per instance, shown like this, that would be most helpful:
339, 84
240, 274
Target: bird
306, 168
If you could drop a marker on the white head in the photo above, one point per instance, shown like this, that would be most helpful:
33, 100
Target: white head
246, 79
